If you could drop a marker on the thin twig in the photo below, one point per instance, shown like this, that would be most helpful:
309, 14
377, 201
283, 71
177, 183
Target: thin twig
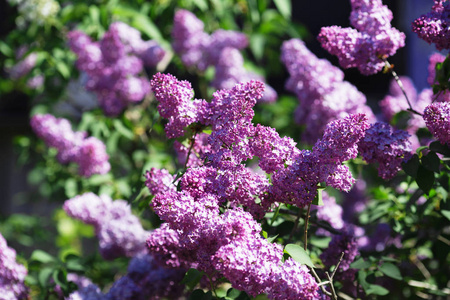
306, 226
337, 265
333, 292
322, 287
400, 84
318, 224
420, 266
190, 150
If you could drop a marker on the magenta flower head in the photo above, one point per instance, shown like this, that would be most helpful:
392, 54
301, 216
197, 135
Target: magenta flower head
120, 233
432, 27
437, 119
12, 274
386, 146
89, 153
372, 40
175, 103
323, 94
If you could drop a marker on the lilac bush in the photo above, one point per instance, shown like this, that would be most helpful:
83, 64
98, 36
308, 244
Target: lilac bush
225, 197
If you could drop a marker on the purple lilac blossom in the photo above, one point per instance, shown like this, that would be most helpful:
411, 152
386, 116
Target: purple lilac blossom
119, 231
330, 212
196, 47
12, 274
230, 71
344, 242
114, 63
437, 119
372, 40
175, 103
322, 93
89, 153
198, 150
386, 146
230, 113
355, 201
159, 181
23, 67
434, 59
231, 244
432, 27
147, 280
91, 292
298, 183
381, 238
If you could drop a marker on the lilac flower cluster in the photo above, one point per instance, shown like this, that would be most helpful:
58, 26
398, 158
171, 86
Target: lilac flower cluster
159, 181
437, 119
23, 67
113, 65
120, 233
88, 152
432, 27
370, 41
220, 49
330, 212
175, 103
387, 146
434, 59
145, 279
12, 274
344, 242
322, 93
230, 243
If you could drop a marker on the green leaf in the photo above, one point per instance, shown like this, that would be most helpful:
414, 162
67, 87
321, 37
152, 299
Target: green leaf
144, 24
299, 254
431, 161
411, 166
42, 256
71, 187
6, 49
44, 276
391, 270
446, 213
234, 294
94, 13
376, 289
318, 199
436, 146
425, 179
257, 42
284, 7
360, 263
123, 130
200, 295
60, 278
63, 69
271, 239
192, 278
420, 149
201, 4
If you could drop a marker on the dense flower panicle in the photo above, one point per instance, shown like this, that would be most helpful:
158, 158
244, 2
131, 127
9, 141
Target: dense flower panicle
113, 65
196, 47
339, 141
175, 103
355, 201
12, 274
89, 153
189, 38
230, 115
91, 292
147, 280
434, 59
198, 150
23, 67
320, 89
344, 242
92, 158
437, 119
432, 27
372, 40
386, 146
164, 244
119, 231
273, 151
396, 101
230, 71
159, 181
330, 211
